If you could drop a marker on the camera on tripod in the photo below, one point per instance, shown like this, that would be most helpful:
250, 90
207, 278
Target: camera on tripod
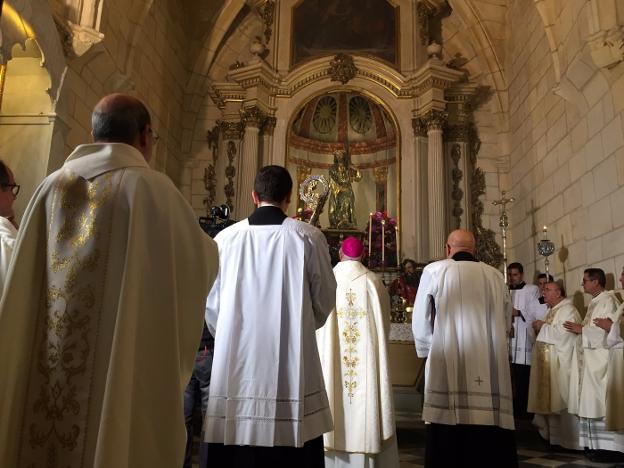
217, 221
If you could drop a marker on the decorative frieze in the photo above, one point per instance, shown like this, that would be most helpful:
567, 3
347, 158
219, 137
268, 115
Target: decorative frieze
210, 174
230, 173
267, 13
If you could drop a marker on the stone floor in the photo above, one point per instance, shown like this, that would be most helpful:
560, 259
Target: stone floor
533, 452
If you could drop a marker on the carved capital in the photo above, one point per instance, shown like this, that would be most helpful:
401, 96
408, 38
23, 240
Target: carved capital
269, 125
77, 39
419, 126
252, 117
435, 119
607, 47
342, 68
231, 130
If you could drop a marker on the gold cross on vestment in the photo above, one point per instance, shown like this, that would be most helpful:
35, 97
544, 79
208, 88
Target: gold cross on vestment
350, 296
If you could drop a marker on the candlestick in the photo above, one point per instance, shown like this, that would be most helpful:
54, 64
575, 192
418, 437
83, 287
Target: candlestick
546, 248
370, 238
398, 245
383, 244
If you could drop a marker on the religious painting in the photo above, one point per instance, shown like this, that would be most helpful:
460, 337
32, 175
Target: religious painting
329, 27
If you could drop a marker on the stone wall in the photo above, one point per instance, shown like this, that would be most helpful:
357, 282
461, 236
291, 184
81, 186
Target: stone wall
567, 142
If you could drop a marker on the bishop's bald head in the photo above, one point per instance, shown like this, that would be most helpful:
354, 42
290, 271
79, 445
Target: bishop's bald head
460, 240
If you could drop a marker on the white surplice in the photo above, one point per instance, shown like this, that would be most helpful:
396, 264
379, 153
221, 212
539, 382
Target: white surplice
8, 233
467, 376
588, 377
101, 317
550, 377
524, 300
614, 420
275, 287
353, 345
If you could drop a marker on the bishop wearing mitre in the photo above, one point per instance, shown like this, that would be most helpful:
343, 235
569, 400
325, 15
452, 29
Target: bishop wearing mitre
353, 345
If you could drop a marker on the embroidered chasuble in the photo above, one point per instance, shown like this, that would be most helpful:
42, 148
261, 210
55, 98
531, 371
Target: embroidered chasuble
353, 345
552, 357
588, 377
101, 317
467, 377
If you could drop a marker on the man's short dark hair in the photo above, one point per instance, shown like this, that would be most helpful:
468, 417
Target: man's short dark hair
4, 174
559, 286
273, 184
548, 277
407, 261
121, 125
597, 274
516, 266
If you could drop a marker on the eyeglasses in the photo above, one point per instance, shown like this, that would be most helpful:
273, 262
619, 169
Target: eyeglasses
155, 135
15, 188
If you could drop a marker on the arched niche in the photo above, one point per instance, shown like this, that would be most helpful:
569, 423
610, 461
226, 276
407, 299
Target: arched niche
360, 125
26, 119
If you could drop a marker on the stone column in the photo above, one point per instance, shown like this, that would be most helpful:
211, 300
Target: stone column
421, 229
267, 141
252, 119
436, 184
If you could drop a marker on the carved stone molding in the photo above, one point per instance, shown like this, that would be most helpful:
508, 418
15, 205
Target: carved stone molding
457, 133
487, 250
420, 127
267, 13
230, 174
231, 130
342, 68
425, 12
77, 39
210, 175
252, 117
435, 119
456, 193
607, 47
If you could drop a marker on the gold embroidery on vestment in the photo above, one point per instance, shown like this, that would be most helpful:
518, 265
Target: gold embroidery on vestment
349, 316
66, 337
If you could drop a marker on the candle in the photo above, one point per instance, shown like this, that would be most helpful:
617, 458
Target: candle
370, 238
398, 245
383, 243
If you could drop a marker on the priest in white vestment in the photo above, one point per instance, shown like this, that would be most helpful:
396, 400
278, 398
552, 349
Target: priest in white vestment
524, 297
275, 288
353, 345
550, 370
588, 377
103, 308
461, 320
8, 226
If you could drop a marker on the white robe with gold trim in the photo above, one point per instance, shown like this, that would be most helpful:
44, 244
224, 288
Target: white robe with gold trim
101, 317
353, 345
588, 377
550, 377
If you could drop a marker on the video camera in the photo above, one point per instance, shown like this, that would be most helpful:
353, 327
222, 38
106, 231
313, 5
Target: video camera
218, 220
